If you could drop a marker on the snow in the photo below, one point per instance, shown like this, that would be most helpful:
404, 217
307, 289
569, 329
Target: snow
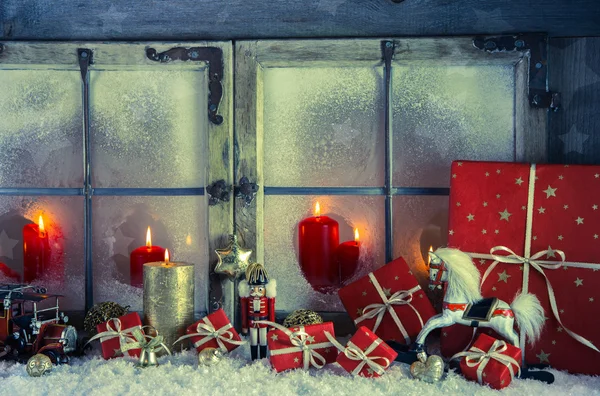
236, 374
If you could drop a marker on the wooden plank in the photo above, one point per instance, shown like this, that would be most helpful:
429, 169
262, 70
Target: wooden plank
212, 20
249, 149
531, 123
107, 56
220, 166
574, 66
249, 144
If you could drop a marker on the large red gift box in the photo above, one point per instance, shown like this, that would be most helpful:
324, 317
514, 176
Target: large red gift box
117, 332
408, 306
213, 331
532, 215
301, 346
365, 354
490, 361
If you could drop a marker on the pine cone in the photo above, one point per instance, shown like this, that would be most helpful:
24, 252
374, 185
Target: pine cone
101, 313
302, 317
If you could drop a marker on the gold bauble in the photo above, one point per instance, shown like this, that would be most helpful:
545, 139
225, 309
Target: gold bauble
38, 365
302, 317
209, 356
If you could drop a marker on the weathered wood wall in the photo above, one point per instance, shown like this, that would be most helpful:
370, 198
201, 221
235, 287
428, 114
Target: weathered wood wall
243, 19
574, 135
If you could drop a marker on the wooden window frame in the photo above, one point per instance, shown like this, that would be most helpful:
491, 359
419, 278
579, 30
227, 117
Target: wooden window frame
37, 55
254, 57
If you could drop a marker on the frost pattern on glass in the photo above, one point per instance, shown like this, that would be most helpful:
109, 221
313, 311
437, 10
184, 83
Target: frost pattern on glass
40, 129
420, 222
445, 113
323, 127
282, 215
119, 226
64, 226
148, 128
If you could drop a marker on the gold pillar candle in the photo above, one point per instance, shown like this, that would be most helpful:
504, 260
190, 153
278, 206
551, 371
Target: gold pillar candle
169, 298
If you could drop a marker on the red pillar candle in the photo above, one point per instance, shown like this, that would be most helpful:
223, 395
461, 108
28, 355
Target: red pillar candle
348, 254
36, 251
142, 255
318, 241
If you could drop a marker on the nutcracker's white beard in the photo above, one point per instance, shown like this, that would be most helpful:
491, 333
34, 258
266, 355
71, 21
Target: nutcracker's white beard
256, 294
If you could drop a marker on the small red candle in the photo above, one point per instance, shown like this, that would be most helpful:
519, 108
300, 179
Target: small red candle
318, 241
142, 255
348, 254
36, 251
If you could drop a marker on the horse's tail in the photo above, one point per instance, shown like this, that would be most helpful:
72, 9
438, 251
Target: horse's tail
529, 315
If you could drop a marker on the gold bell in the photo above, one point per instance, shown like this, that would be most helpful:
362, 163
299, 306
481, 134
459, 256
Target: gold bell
147, 359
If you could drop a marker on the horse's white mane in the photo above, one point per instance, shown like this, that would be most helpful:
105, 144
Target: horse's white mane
463, 276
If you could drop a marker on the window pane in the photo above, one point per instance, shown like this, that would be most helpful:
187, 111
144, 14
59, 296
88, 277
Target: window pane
119, 226
445, 113
62, 269
282, 215
323, 127
148, 128
40, 129
419, 222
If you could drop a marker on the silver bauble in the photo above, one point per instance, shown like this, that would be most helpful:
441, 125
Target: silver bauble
38, 365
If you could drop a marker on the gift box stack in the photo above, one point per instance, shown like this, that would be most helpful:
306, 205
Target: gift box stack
541, 224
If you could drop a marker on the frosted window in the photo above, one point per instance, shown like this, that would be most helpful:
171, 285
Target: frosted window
148, 128
445, 113
119, 226
419, 222
323, 127
62, 220
40, 129
282, 215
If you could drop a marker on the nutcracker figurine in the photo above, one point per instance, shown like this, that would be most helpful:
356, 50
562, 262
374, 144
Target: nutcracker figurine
257, 294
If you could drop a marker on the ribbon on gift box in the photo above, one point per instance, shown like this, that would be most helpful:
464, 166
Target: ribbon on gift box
299, 340
476, 357
145, 342
529, 260
378, 310
208, 331
117, 331
353, 352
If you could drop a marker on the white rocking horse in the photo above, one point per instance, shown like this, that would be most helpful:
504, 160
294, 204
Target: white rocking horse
463, 303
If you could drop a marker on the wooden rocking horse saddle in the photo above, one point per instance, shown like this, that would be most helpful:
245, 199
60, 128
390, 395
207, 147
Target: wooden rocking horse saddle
482, 310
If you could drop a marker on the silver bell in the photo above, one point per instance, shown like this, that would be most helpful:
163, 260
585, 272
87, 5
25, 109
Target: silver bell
147, 359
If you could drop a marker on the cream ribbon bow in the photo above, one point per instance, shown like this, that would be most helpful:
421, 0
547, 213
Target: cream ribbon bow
208, 332
117, 331
353, 352
378, 310
479, 358
299, 340
146, 342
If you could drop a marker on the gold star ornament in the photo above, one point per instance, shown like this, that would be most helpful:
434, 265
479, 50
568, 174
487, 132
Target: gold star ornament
233, 259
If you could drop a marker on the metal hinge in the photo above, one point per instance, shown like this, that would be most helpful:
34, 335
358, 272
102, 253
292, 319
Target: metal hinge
219, 191
213, 56
537, 46
246, 191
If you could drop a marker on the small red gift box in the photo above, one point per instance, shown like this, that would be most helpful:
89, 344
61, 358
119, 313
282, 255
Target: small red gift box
300, 347
116, 332
533, 228
408, 307
365, 354
213, 331
490, 361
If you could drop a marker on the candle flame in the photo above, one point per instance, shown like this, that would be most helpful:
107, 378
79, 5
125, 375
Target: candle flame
148, 238
356, 238
167, 256
317, 209
188, 240
428, 256
42, 230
